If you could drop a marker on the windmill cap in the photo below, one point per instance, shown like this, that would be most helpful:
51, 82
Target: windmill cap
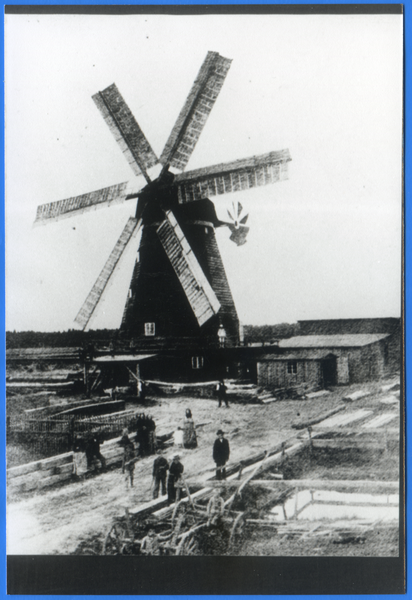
220, 432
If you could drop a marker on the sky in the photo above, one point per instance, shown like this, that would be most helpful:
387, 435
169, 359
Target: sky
324, 244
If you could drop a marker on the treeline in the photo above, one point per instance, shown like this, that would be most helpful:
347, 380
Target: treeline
74, 338
269, 333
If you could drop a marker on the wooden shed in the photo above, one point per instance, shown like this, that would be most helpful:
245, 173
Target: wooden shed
324, 360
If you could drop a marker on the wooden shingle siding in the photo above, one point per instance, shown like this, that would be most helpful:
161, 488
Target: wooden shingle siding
197, 288
55, 211
125, 129
275, 374
130, 302
193, 116
96, 292
232, 177
216, 274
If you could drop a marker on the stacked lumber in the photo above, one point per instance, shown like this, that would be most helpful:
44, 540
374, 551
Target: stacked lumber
40, 473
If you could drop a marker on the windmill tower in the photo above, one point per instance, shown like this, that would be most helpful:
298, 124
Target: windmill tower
179, 296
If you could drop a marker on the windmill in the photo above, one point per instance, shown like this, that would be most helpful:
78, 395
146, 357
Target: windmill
179, 291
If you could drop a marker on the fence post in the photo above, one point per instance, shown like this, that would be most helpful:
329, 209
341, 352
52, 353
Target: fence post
138, 394
87, 379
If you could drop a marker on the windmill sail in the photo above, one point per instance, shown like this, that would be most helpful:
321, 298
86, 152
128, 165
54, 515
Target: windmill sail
232, 177
125, 130
193, 116
61, 209
198, 290
86, 311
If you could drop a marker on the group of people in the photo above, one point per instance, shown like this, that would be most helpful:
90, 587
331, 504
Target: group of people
174, 474
145, 428
166, 476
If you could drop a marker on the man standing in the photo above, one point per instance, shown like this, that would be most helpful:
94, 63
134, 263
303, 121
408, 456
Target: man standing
174, 482
160, 468
221, 451
221, 394
93, 450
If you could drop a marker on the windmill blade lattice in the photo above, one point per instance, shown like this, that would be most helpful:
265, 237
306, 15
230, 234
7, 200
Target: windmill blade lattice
77, 205
193, 116
131, 229
198, 290
126, 130
235, 176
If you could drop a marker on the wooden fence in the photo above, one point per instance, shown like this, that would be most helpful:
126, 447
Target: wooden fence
55, 435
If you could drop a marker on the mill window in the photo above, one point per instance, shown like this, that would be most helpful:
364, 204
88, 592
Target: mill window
197, 362
149, 328
292, 366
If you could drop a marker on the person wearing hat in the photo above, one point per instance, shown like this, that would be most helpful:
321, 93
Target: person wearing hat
174, 481
221, 452
160, 468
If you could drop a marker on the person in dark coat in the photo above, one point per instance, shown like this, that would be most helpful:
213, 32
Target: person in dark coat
221, 394
93, 450
160, 468
174, 481
221, 452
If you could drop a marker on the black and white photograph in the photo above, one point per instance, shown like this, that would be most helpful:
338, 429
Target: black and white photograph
204, 285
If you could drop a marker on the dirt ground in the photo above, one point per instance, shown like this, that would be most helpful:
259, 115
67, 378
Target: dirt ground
57, 521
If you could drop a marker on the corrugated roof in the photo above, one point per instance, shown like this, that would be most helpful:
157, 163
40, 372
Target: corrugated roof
332, 341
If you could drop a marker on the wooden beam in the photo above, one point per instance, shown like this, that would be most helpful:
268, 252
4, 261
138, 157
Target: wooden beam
346, 444
354, 504
330, 484
322, 417
312, 484
45, 464
372, 432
